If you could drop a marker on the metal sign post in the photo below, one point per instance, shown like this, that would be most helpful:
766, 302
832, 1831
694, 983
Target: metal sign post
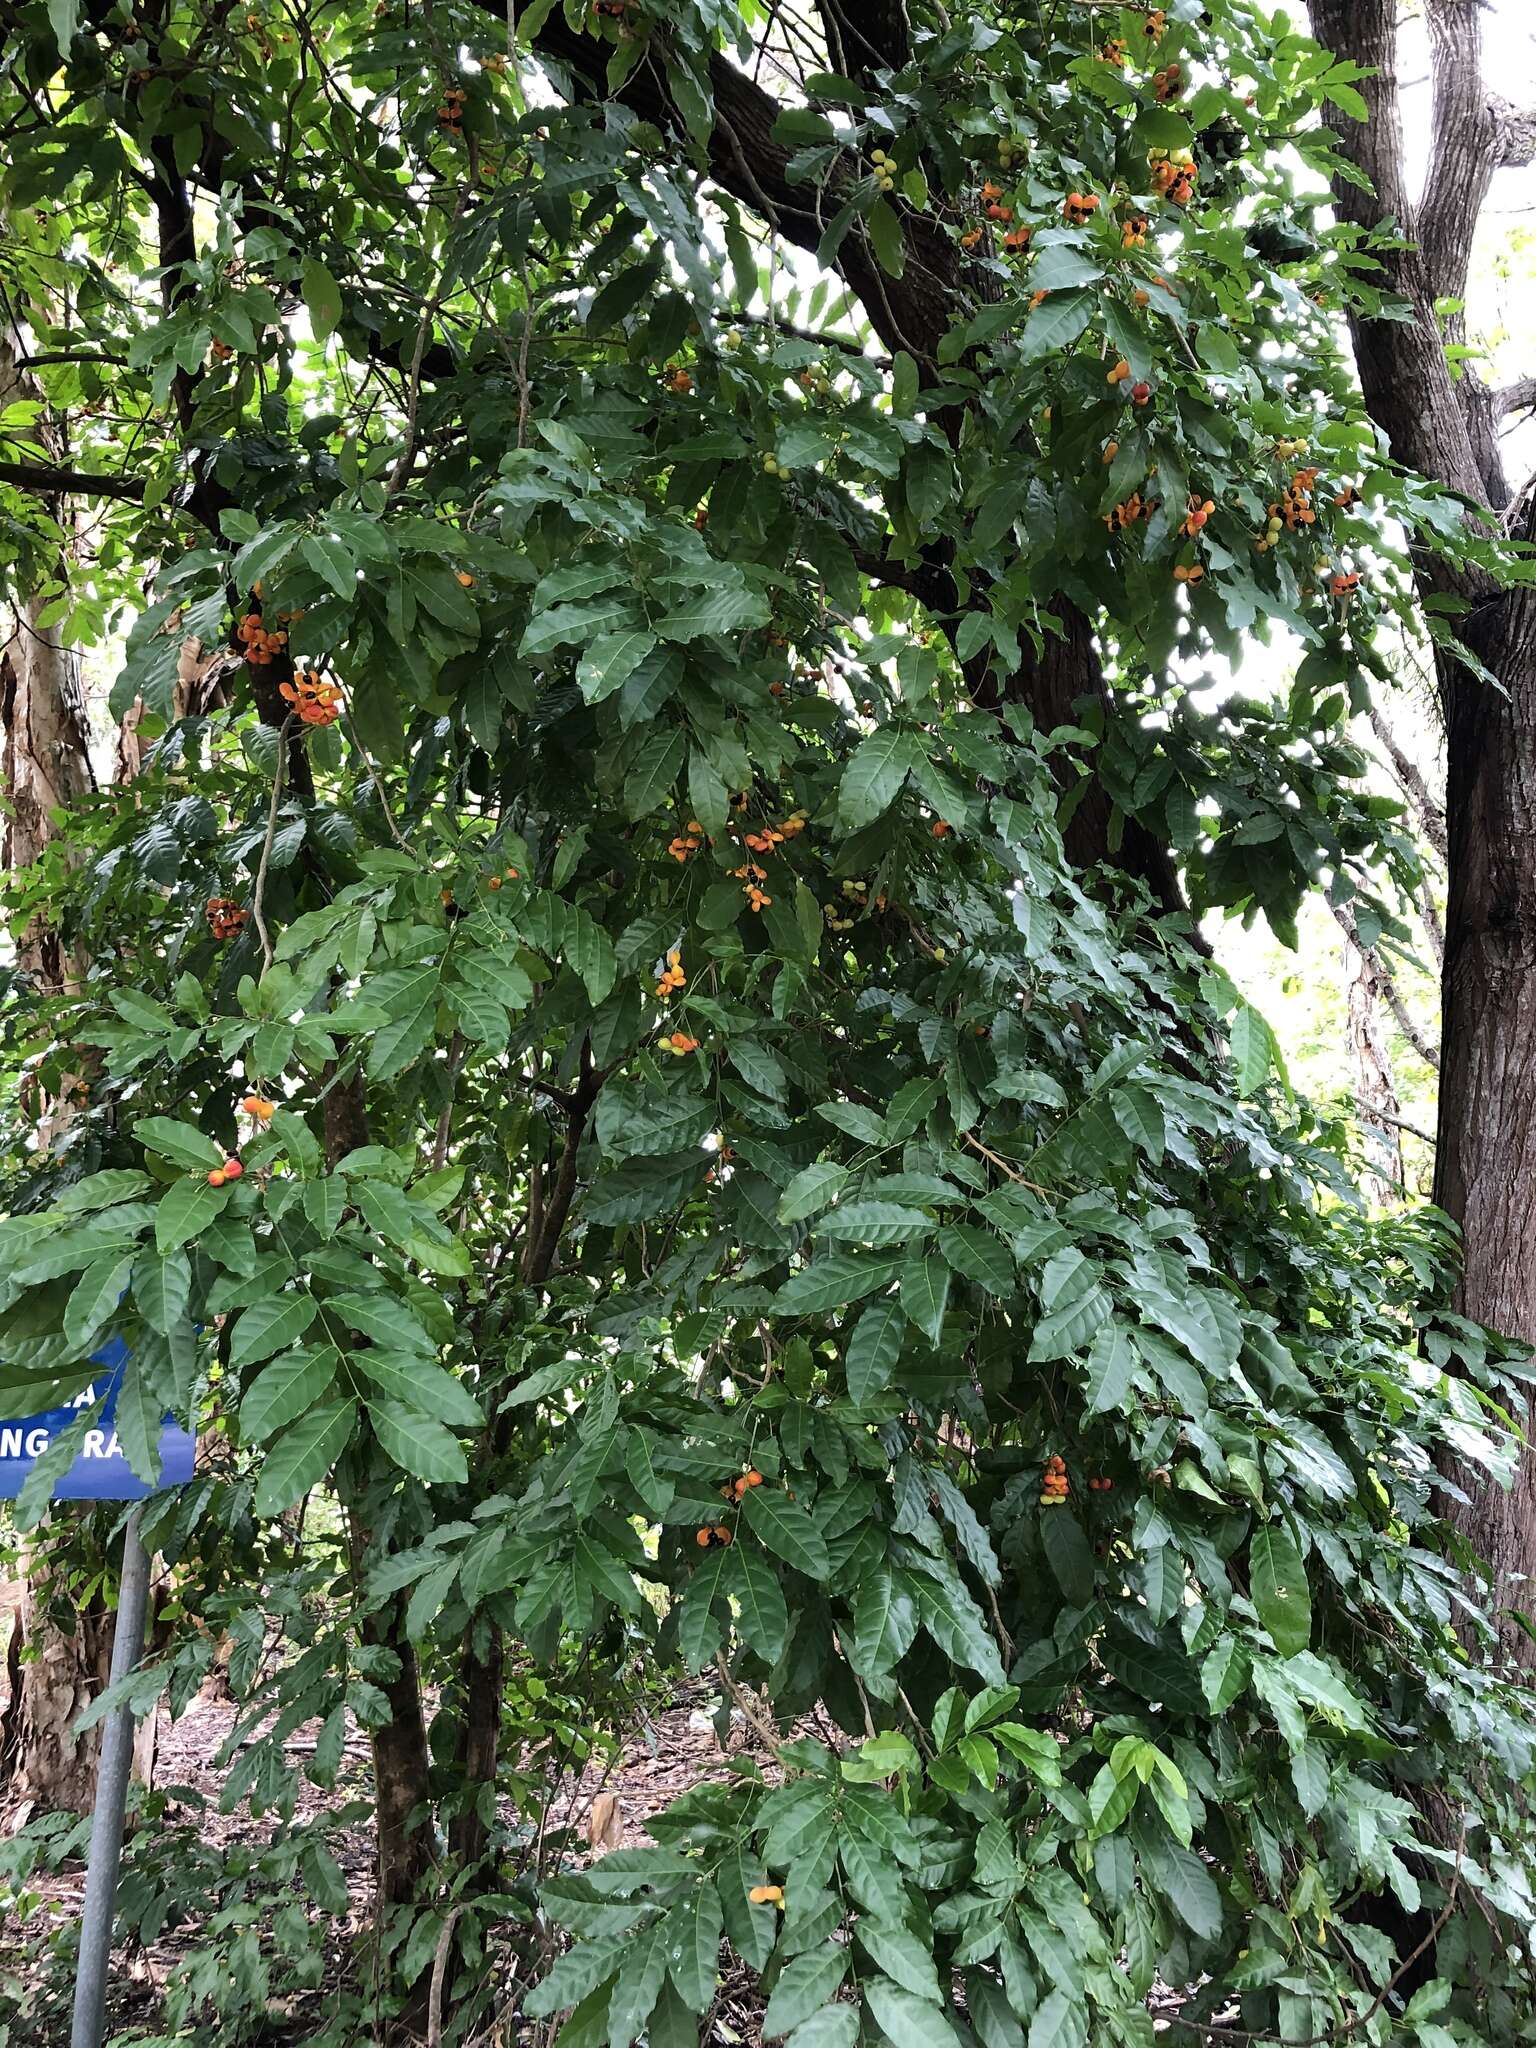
111, 1802
101, 1472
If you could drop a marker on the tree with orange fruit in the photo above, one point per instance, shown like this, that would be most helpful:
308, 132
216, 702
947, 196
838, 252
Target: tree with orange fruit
678, 958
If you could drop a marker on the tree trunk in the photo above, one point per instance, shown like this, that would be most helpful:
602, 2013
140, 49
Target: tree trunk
1486, 1156
402, 1762
45, 735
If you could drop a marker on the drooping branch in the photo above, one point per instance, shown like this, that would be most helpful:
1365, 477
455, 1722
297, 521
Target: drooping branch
1428, 811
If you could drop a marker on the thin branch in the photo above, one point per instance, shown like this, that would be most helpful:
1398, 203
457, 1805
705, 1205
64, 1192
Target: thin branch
1429, 812
45, 479
1516, 397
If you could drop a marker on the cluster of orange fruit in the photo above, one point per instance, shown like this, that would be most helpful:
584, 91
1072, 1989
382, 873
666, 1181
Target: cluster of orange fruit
1129, 511
672, 976
751, 878
767, 1895
1294, 507
261, 647
1194, 574
316, 701
992, 199
1101, 1486
1173, 176
1113, 52
688, 841
1345, 582
680, 382
1199, 512
220, 350
230, 1170
259, 1107
494, 881
1133, 231
678, 1043
1078, 208
450, 114
1054, 1488
225, 917
1156, 21
764, 842
733, 1489
715, 1538
1168, 83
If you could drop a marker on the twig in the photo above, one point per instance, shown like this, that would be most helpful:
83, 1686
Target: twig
439, 1971
445, 1119
1342, 2033
750, 1707
1003, 1167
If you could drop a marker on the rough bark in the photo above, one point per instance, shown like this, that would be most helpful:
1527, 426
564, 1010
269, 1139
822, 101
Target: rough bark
1486, 1152
47, 770
402, 1763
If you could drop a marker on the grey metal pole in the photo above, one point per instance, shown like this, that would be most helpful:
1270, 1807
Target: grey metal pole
111, 1802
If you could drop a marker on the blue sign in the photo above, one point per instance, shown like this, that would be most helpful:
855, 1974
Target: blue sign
100, 1471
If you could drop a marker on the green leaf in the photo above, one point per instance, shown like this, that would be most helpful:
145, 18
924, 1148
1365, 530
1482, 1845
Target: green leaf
908, 2020
694, 1947
763, 1618
322, 296
1068, 1553
1107, 1370
874, 1348
1224, 1673
162, 1287
1252, 1048
833, 1280
270, 1326
300, 1458
611, 660
903, 1958
64, 20
1056, 322
419, 1445
1277, 1581
288, 1386
813, 1188
784, 1527
94, 1298
416, 1383
876, 1223
332, 561
654, 771
186, 1207
804, 1986
873, 778
890, 244
182, 1143
885, 1620
925, 1295
835, 2026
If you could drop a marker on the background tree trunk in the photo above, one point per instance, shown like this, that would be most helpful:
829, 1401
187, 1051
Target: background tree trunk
45, 733
1486, 1158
